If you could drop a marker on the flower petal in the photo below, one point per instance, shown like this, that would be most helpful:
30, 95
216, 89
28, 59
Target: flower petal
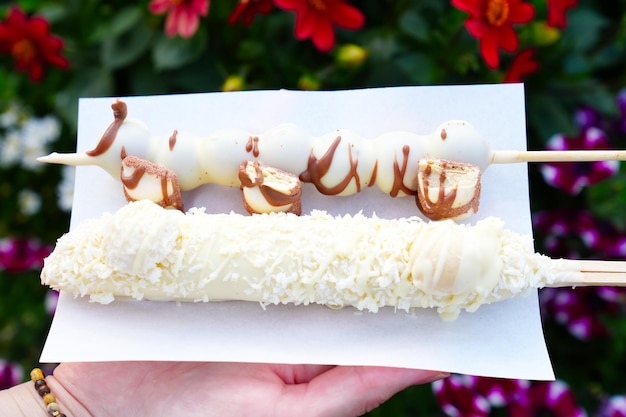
474, 7
323, 36
160, 6
346, 16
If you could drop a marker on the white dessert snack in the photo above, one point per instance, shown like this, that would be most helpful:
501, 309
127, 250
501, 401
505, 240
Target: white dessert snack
268, 190
448, 189
337, 163
143, 180
143, 251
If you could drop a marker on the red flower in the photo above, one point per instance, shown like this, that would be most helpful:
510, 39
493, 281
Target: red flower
315, 19
557, 10
29, 41
247, 9
523, 65
183, 16
491, 21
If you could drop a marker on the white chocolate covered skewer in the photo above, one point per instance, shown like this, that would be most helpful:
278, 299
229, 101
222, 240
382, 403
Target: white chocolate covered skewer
337, 163
146, 252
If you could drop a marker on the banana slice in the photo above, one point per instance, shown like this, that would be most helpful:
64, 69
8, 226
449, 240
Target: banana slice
447, 189
144, 180
269, 190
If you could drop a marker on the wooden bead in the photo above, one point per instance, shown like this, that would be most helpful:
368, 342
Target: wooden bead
49, 398
36, 374
53, 409
43, 390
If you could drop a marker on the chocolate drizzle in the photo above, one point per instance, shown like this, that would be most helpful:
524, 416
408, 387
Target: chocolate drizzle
399, 172
142, 167
108, 137
374, 174
172, 141
272, 196
318, 168
253, 146
444, 200
442, 207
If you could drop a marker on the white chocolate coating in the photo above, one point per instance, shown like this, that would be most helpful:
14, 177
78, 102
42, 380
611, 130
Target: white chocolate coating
337, 163
145, 251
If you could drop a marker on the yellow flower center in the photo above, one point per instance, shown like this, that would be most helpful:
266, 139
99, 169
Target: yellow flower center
318, 4
497, 12
24, 50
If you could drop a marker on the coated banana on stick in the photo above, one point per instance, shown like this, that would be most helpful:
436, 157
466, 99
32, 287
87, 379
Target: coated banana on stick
144, 251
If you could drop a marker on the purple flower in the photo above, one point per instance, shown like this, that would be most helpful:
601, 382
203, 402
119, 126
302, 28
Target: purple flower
545, 398
614, 406
572, 177
587, 117
576, 309
10, 374
22, 254
563, 230
621, 106
52, 298
471, 396
457, 397
465, 395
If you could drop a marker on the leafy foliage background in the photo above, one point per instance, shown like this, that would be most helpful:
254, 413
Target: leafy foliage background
118, 48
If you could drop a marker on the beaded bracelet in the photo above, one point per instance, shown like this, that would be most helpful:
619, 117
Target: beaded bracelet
49, 399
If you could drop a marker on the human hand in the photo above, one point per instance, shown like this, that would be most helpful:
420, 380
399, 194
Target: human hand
226, 389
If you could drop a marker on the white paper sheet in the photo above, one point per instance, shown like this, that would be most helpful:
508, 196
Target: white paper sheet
502, 340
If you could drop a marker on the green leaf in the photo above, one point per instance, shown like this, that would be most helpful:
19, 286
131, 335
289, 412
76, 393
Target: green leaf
170, 53
418, 67
576, 64
607, 199
124, 21
548, 116
93, 82
414, 25
584, 28
122, 50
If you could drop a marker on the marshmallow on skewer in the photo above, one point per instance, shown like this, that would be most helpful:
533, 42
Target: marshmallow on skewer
337, 163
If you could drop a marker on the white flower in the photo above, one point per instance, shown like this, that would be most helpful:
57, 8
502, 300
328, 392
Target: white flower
10, 149
11, 116
29, 202
65, 189
37, 134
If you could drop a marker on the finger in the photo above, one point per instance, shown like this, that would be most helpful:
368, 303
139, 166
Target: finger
298, 374
355, 390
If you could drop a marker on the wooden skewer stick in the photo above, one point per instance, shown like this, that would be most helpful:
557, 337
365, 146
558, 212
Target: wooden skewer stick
510, 157
594, 274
